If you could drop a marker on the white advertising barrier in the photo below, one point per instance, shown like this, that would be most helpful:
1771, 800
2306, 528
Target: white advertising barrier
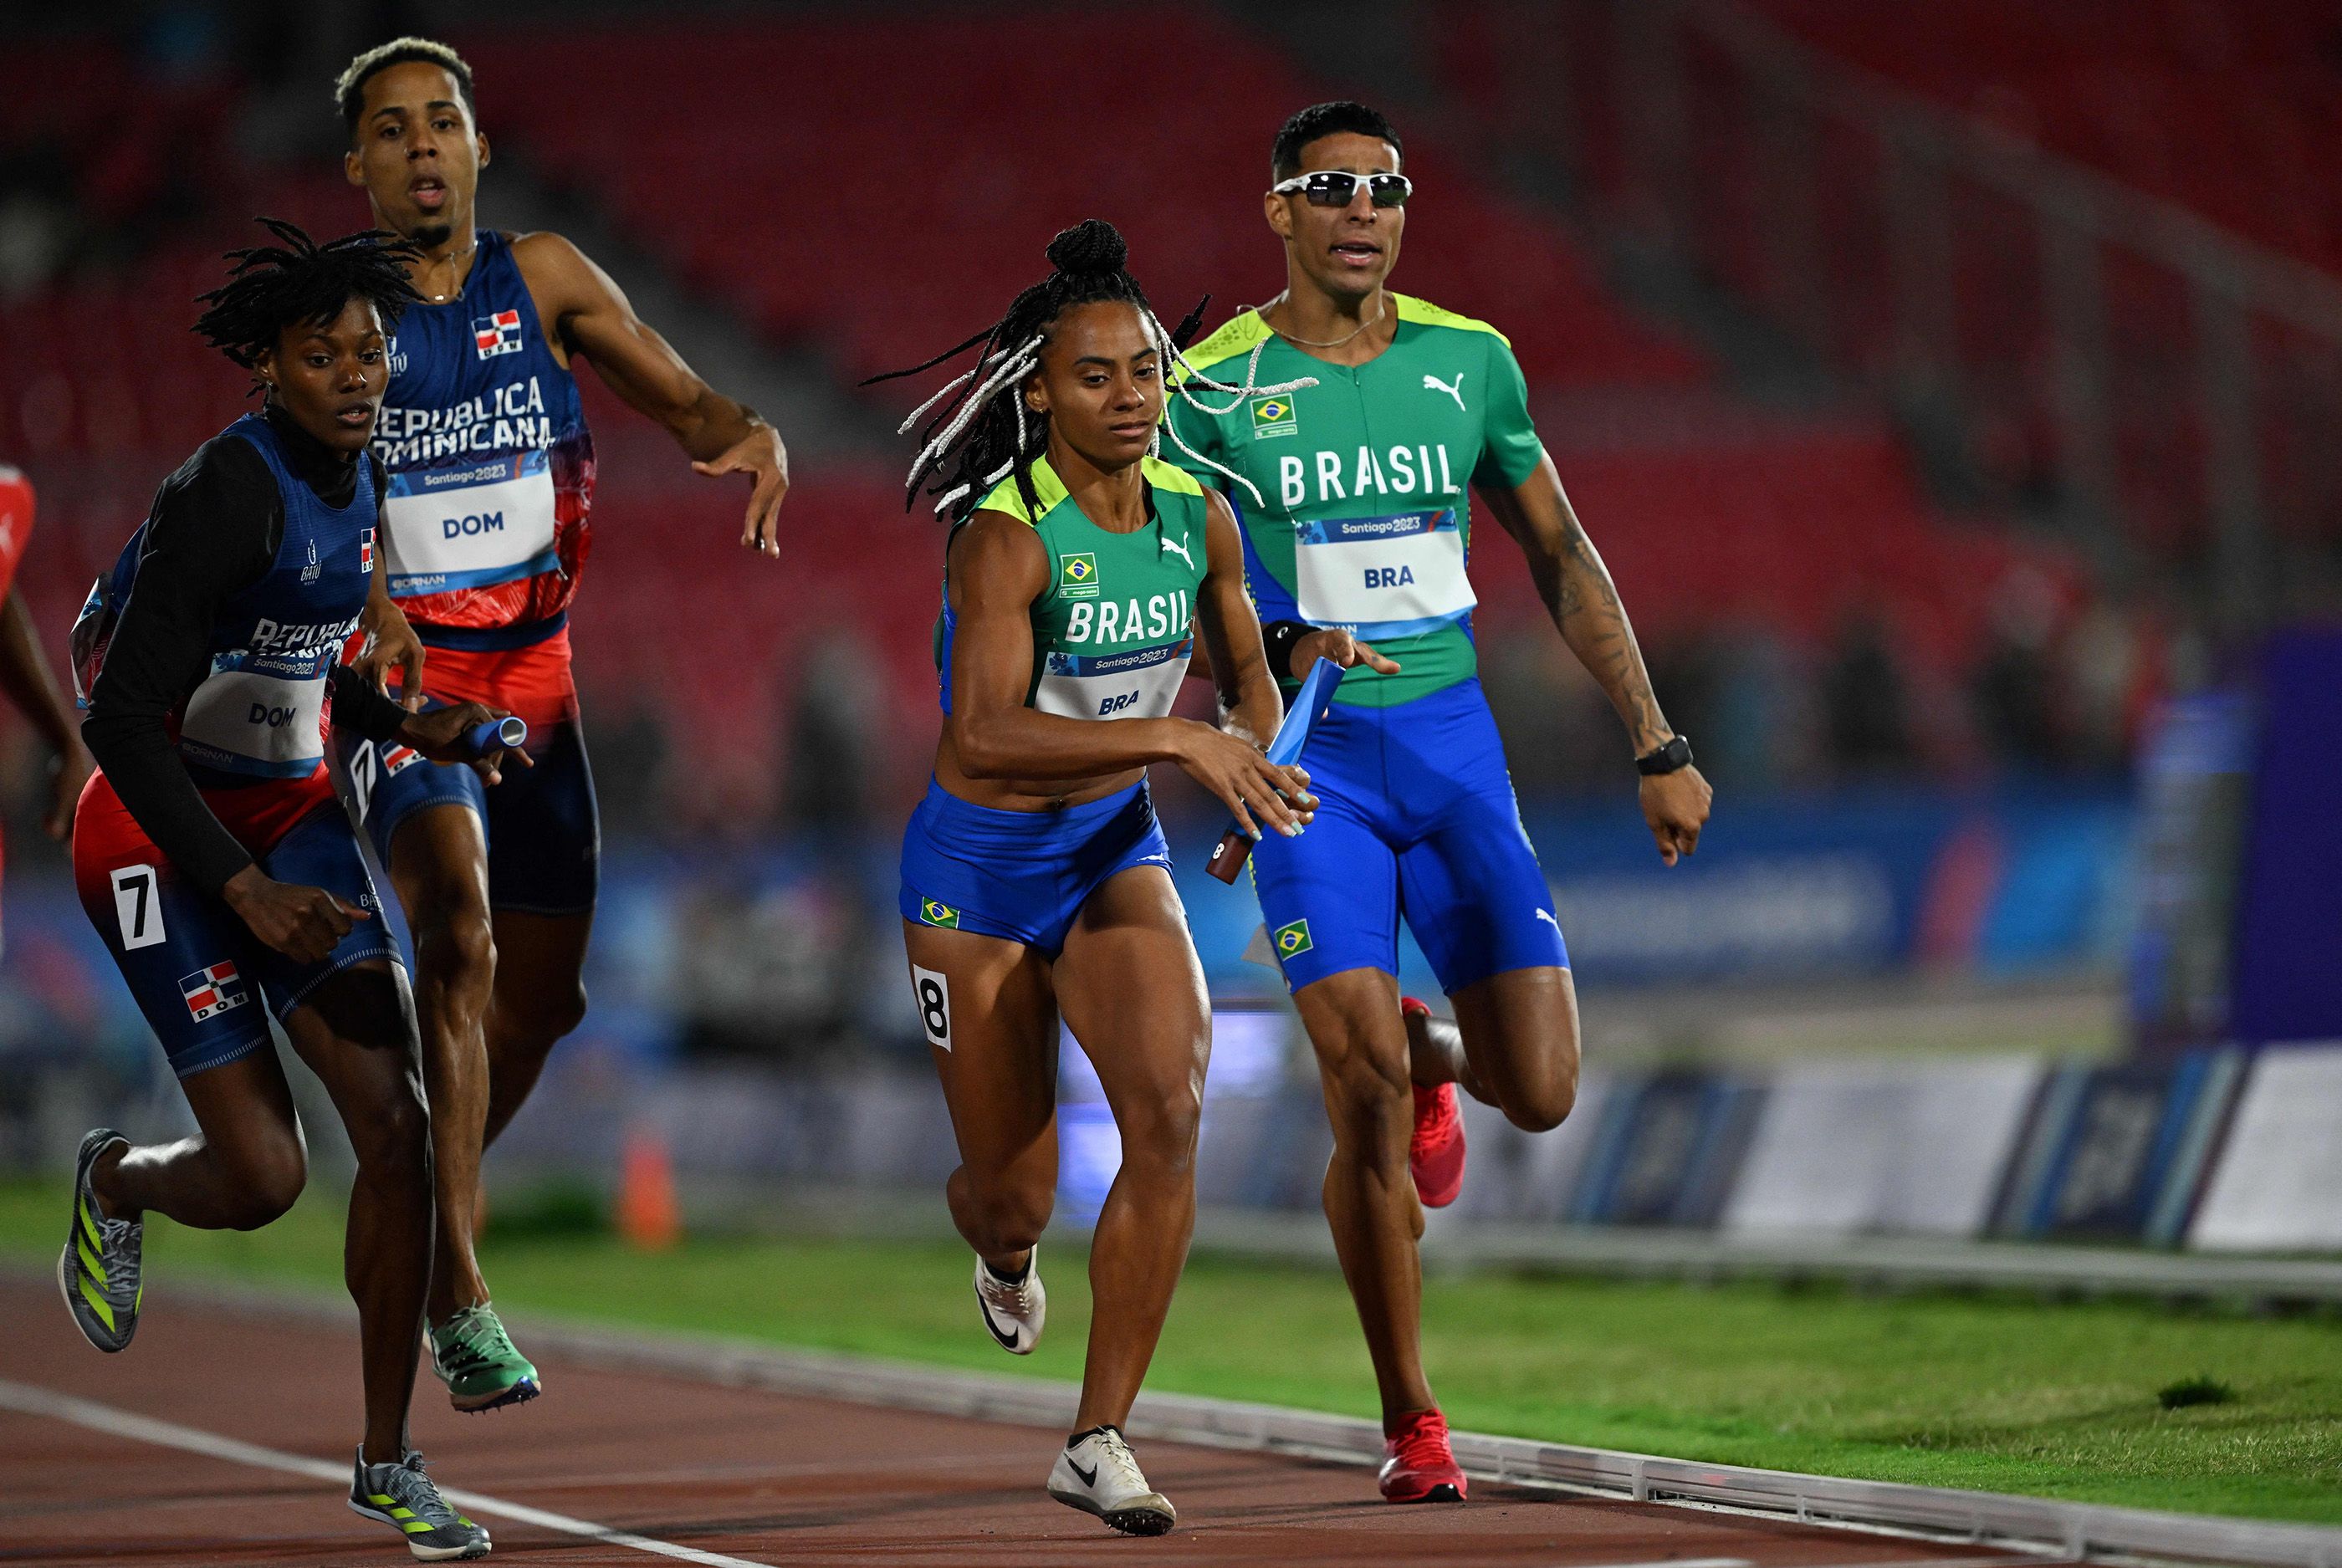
1916, 1147
2276, 1182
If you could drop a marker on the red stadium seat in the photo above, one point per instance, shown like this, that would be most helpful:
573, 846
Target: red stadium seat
835, 191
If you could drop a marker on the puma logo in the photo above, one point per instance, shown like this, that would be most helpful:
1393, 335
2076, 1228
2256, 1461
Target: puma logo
1546, 915
1433, 384
1179, 546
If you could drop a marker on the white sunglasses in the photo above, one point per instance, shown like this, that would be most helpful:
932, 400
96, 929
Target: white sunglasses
1338, 188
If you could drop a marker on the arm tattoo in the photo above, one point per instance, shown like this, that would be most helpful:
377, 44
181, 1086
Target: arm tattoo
1587, 611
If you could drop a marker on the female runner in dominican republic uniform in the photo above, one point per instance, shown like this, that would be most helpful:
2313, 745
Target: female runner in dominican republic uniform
214, 861
1035, 880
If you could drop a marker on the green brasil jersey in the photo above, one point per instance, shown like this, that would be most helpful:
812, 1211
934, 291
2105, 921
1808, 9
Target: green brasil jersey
1365, 515
1113, 633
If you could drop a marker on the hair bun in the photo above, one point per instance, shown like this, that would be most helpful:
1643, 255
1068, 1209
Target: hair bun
1091, 246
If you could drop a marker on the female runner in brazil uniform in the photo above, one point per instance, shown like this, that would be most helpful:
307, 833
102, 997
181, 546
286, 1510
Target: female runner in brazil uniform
1036, 879
216, 864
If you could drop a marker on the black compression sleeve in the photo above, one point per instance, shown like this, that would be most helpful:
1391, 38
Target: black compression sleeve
214, 529
358, 706
1277, 638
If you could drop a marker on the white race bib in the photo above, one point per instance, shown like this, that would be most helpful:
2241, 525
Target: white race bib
1136, 684
1396, 576
470, 524
253, 721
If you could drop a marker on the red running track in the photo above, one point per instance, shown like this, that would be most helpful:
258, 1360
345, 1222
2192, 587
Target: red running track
724, 1475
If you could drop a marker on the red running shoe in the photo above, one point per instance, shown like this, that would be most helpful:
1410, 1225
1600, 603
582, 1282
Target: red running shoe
1418, 1467
1435, 1155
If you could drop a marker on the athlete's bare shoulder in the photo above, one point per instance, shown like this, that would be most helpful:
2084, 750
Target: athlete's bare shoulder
543, 247
992, 537
544, 250
998, 553
563, 279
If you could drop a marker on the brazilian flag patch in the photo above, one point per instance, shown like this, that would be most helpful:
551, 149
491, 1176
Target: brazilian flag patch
1077, 576
934, 914
1292, 941
1273, 416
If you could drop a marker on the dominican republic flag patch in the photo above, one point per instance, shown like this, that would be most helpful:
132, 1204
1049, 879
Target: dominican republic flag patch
497, 334
365, 549
393, 758
212, 991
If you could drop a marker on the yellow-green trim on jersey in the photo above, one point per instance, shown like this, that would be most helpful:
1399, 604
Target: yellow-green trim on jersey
1112, 632
1365, 514
1050, 490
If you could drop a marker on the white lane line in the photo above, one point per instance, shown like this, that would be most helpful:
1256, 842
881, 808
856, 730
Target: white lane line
30, 1399
1684, 1563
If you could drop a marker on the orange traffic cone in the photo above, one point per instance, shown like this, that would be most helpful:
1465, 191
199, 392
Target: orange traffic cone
649, 1215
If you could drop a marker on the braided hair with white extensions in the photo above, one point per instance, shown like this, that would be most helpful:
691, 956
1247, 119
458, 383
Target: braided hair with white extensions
980, 437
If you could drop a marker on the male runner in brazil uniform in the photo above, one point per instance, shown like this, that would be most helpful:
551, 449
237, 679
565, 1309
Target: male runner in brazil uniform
25, 675
1356, 552
491, 479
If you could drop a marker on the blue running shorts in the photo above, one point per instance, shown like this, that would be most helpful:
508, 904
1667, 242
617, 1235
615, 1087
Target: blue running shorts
542, 825
1417, 820
1022, 875
199, 974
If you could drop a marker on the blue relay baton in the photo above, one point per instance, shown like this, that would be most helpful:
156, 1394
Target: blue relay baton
494, 735
1301, 716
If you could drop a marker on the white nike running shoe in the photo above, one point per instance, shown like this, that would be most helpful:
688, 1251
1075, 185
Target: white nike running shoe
1097, 1474
1013, 1313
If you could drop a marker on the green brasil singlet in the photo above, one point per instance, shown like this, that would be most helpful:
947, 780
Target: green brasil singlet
1364, 521
1113, 633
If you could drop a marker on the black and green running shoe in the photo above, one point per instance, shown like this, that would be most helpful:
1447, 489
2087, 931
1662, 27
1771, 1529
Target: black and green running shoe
403, 1496
476, 1359
98, 1271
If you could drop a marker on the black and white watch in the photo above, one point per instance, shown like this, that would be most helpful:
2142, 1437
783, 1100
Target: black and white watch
1666, 759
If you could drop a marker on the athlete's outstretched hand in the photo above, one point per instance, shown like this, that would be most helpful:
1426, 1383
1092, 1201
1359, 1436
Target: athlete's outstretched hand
759, 455
1247, 782
301, 922
1345, 650
391, 644
1676, 805
439, 735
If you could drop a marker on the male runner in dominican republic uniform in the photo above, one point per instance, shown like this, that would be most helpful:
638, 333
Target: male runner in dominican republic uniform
491, 480
1036, 893
1358, 552
25, 670
215, 861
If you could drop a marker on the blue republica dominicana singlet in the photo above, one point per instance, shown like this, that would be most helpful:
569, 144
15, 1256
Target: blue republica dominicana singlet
261, 710
1363, 521
252, 733
491, 481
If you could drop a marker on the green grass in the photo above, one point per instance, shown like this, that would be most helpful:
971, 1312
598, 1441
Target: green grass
1998, 1391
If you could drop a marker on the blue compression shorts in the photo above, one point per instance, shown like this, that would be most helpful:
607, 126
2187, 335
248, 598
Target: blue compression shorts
1416, 820
1021, 875
199, 974
543, 824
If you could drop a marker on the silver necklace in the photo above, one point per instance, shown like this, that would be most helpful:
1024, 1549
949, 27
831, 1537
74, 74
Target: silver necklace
1381, 311
455, 259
